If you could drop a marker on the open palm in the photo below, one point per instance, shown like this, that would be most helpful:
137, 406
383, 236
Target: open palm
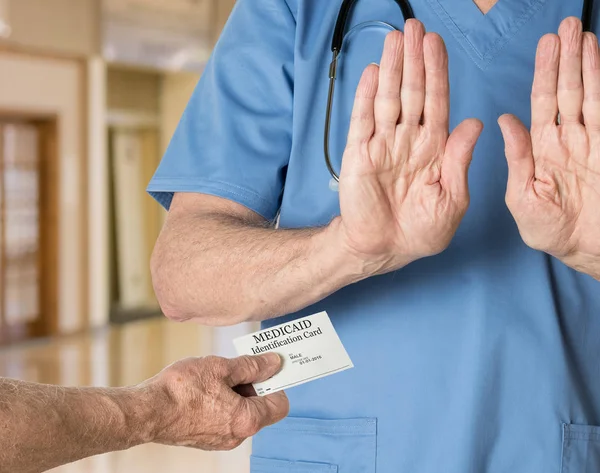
403, 186
554, 173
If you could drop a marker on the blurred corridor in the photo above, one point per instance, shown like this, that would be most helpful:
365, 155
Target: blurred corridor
91, 92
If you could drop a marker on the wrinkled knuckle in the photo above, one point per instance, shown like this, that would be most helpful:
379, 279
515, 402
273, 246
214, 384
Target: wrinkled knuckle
542, 95
181, 367
210, 359
217, 366
437, 94
593, 127
251, 364
385, 96
361, 117
410, 118
249, 427
410, 89
592, 96
572, 85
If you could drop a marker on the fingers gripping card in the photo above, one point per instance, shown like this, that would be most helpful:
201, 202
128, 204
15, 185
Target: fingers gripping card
309, 347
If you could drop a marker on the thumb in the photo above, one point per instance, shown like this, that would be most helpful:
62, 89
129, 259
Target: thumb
269, 409
459, 152
253, 369
519, 153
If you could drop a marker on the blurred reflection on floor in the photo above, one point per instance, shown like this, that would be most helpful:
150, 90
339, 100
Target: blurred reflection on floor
123, 356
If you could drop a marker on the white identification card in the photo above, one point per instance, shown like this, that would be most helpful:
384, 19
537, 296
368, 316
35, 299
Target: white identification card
310, 349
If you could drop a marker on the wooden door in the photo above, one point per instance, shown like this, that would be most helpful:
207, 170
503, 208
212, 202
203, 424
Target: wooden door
25, 308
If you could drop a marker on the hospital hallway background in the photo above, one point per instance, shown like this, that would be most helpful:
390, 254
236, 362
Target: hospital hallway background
91, 92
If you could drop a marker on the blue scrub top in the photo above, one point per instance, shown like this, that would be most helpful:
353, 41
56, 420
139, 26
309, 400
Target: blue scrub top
484, 359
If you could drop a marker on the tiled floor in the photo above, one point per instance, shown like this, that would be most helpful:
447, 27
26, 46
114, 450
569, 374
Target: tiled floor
123, 356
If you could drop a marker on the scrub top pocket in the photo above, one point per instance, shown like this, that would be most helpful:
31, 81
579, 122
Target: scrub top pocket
266, 465
581, 449
303, 445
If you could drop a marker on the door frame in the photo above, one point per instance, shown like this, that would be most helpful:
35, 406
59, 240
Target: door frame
147, 127
67, 98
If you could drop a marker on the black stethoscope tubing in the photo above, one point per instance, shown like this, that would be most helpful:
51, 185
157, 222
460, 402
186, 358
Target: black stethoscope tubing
336, 49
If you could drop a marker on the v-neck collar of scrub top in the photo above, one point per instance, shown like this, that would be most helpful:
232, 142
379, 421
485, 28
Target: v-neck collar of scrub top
483, 36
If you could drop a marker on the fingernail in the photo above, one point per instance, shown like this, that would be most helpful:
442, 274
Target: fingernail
272, 359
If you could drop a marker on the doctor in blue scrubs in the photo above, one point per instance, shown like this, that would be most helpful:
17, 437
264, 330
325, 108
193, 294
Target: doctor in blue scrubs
460, 266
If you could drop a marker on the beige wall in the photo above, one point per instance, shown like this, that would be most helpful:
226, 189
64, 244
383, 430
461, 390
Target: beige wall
223, 11
176, 90
69, 27
56, 88
133, 91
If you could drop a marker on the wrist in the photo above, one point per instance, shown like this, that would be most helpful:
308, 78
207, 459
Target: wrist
356, 265
144, 411
583, 263
344, 266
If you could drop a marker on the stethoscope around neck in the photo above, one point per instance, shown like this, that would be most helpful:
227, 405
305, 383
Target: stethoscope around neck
339, 34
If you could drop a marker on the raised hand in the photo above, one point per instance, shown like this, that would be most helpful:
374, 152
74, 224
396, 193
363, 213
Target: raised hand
403, 185
554, 173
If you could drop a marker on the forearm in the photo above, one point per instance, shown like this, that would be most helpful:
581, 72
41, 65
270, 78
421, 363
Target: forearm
43, 426
221, 270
